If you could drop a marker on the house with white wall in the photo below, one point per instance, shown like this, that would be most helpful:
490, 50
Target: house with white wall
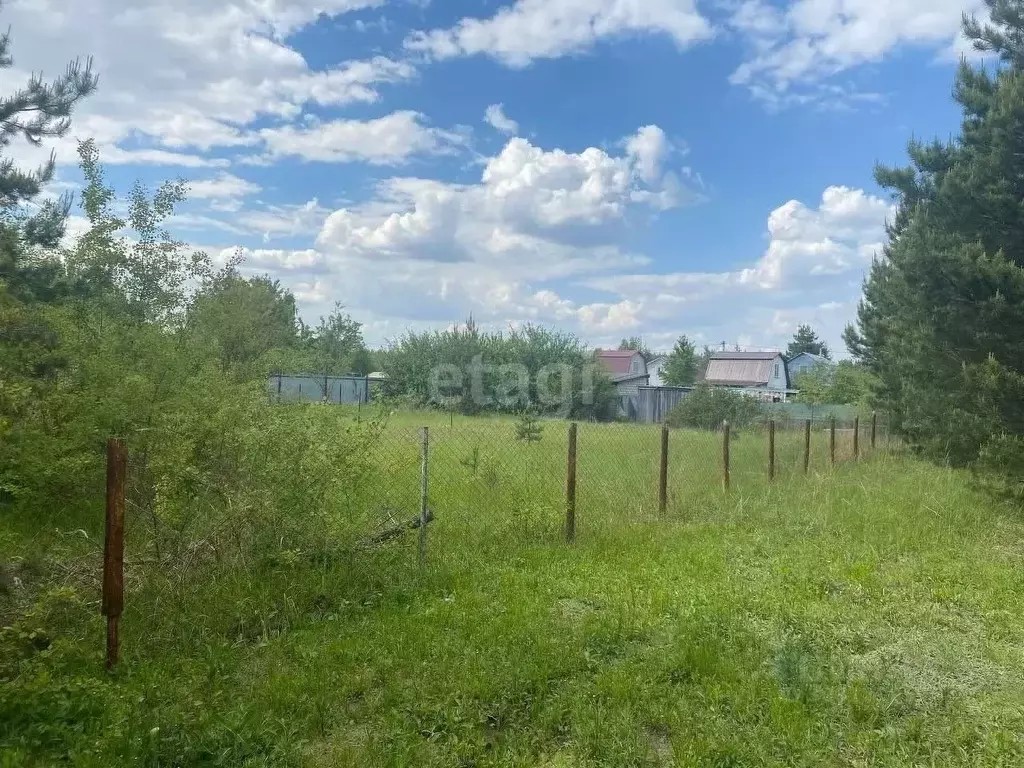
758, 373
655, 366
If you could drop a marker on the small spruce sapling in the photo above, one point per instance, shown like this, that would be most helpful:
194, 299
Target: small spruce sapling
528, 429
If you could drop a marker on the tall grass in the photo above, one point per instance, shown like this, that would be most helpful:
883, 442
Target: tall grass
870, 615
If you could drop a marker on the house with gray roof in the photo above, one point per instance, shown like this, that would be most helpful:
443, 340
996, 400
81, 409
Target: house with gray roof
753, 372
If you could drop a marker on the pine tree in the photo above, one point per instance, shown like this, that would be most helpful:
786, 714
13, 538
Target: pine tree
34, 113
939, 324
681, 367
636, 344
528, 429
806, 340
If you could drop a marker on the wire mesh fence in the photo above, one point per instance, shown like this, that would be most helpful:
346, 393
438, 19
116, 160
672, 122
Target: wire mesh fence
365, 486
351, 488
489, 478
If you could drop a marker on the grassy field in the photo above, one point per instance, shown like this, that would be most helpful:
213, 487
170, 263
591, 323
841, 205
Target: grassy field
871, 615
477, 465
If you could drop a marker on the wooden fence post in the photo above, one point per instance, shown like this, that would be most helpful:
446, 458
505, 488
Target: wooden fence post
424, 476
874, 428
113, 547
663, 475
725, 455
807, 446
832, 441
570, 488
771, 450
856, 437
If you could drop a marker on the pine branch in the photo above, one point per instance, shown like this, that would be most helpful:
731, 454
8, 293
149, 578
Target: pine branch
49, 104
36, 112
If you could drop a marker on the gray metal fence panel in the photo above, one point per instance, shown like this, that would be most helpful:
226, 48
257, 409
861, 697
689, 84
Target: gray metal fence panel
803, 411
311, 388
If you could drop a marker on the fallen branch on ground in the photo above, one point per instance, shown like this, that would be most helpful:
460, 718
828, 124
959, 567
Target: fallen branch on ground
390, 533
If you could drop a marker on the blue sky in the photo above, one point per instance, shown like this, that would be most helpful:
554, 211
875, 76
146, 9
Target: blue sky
610, 167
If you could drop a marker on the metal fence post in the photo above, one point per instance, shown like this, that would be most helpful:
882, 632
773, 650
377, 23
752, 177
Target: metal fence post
424, 475
832, 441
663, 475
856, 437
771, 450
874, 428
807, 446
570, 488
113, 547
725, 455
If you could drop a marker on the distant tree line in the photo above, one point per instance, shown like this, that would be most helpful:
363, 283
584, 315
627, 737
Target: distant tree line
469, 370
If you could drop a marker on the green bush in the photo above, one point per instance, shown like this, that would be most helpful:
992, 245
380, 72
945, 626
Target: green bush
468, 370
219, 478
228, 471
707, 407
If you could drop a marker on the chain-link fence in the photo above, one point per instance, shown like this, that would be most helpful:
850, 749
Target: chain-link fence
365, 486
501, 480
318, 485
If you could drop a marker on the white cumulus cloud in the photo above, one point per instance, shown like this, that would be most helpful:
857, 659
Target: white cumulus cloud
814, 263
526, 195
221, 187
424, 254
388, 140
495, 117
794, 49
190, 76
542, 29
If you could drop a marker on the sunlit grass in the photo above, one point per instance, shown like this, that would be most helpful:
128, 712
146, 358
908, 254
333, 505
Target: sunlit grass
867, 615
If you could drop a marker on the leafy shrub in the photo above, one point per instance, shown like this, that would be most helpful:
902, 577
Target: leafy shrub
143, 349
707, 407
235, 476
468, 370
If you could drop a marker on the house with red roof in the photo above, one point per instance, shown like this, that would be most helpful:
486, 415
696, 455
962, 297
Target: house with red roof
628, 370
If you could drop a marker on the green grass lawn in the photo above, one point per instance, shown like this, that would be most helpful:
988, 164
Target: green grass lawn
871, 615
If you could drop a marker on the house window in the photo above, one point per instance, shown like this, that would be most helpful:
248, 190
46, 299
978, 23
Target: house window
636, 365
776, 370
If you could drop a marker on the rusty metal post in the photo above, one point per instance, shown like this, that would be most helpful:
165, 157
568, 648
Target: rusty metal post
807, 446
771, 450
424, 477
570, 488
113, 548
856, 437
832, 441
663, 475
725, 455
